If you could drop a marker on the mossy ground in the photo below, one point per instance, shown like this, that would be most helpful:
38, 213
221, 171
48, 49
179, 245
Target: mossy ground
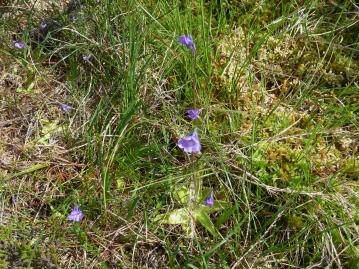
277, 82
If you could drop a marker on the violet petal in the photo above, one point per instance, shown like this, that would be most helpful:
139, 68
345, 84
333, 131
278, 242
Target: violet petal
210, 200
193, 113
76, 214
190, 143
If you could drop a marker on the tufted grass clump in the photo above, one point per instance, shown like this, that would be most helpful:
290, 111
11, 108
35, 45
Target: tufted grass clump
93, 109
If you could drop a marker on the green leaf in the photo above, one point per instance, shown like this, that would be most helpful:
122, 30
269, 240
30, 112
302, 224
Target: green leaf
182, 195
120, 183
177, 216
49, 129
203, 218
226, 214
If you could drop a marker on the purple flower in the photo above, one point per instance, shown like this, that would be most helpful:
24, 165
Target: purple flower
65, 108
43, 25
187, 40
86, 58
76, 214
209, 201
193, 113
19, 45
190, 144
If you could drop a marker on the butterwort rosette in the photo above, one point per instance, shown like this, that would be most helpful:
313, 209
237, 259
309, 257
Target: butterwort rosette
190, 143
187, 40
76, 214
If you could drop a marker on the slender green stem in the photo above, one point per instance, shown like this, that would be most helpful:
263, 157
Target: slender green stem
28, 170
